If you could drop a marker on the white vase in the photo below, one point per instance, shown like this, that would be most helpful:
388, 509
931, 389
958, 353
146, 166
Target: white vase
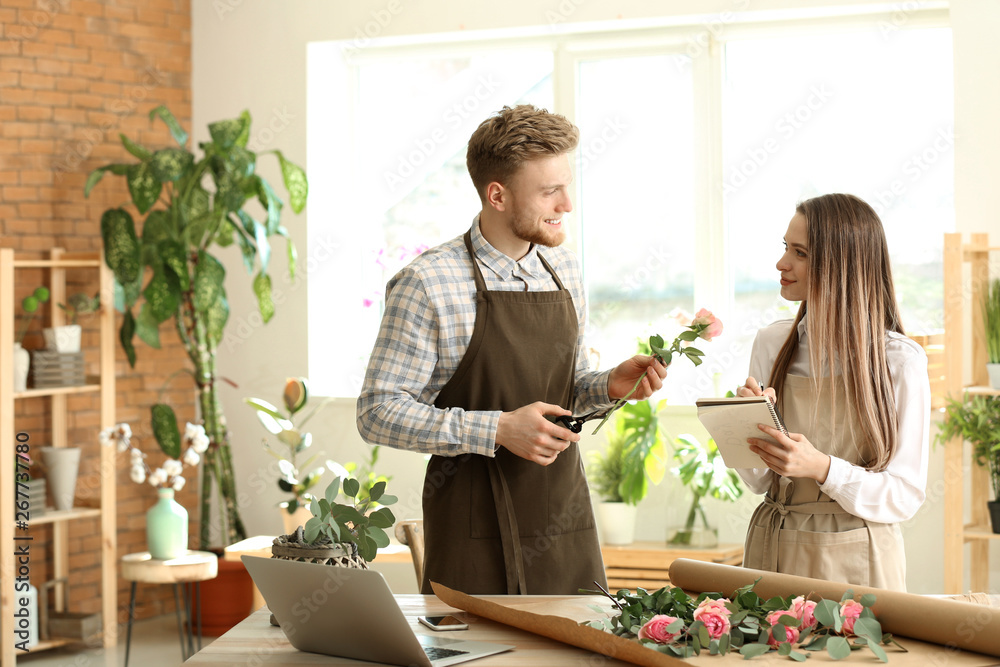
22, 361
61, 467
616, 523
63, 339
994, 372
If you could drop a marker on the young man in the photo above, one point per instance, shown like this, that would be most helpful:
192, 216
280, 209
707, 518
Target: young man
481, 340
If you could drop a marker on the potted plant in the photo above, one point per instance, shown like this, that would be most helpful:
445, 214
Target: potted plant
288, 430
22, 359
991, 329
194, 206
66, 338
703, 472
976, 419
346, 534
622, 472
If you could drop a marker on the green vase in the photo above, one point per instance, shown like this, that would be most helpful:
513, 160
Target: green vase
166, 527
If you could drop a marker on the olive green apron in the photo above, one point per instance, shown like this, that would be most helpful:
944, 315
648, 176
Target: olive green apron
506, 525
800, 530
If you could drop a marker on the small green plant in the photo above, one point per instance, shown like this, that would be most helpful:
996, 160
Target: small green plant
292, 479
635, 456
80, 304
703, 472
977, 421
30, 306
991, 321
365, 473
358, 522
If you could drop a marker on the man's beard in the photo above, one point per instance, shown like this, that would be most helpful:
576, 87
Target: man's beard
525, 229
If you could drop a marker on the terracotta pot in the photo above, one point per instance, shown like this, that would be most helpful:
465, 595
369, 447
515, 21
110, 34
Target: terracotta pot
225, 600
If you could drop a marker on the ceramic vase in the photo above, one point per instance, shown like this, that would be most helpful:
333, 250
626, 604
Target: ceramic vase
22, 361
166, 527
993, 370
61, 467
616, 523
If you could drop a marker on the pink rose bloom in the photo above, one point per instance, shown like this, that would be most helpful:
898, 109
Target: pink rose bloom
803, 609
850, 611
791, 633
712, 324
714, 615
655, 629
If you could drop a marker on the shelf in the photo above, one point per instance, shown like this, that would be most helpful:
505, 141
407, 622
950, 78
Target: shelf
55, 516
52, 642
57, 263
982, 391
91, 385
979, 533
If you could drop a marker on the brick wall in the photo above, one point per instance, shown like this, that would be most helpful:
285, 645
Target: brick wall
73, 75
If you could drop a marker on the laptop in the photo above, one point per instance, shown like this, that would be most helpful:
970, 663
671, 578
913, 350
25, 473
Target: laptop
351, 613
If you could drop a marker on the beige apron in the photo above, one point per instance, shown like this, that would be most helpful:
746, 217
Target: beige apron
800, 530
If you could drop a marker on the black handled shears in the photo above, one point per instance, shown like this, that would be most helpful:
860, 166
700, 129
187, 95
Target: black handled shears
575, 424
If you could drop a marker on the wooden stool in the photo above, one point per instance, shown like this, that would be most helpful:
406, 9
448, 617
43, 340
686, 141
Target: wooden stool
194, 566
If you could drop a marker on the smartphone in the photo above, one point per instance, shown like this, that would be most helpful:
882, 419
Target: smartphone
443, 623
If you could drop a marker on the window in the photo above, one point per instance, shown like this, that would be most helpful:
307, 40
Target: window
690, 164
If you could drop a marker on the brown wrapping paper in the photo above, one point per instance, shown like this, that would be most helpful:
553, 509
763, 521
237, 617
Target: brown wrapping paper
559, 628
951, 623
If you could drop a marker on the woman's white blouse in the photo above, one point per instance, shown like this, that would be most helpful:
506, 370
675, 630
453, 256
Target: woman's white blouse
890, 496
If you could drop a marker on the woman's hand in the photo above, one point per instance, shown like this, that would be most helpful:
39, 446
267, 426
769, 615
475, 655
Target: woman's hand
790, 455
753, 388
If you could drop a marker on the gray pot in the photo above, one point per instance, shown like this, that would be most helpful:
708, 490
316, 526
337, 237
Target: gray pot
61, 467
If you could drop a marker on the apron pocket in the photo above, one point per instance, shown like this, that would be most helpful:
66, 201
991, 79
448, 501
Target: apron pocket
841, 556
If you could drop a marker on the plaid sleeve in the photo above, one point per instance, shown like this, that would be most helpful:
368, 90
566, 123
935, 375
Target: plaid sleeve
395, 407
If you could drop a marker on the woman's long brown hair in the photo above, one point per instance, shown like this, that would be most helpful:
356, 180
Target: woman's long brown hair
852, 304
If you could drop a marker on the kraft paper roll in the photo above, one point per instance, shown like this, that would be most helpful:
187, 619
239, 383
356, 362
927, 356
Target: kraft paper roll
962, 625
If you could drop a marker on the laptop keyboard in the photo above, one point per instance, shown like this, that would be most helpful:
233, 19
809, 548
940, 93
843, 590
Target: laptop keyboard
438, 653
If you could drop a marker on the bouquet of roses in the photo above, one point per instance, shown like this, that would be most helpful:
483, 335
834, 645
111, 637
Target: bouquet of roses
705, 325
672, 622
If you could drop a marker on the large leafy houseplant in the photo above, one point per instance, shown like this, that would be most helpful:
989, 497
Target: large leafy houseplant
635, 456
194, 205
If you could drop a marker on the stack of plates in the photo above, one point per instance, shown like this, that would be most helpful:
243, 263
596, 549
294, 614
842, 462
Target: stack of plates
36, 496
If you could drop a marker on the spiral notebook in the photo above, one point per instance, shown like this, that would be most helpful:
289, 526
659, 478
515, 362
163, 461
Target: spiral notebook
731, 420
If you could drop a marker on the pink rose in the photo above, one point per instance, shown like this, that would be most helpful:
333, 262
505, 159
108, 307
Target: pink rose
655, 629
682, 317
850, 611
714, 615
791, 633
712, 325
803, 609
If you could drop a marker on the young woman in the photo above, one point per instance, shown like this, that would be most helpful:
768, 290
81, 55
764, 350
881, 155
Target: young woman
855, 397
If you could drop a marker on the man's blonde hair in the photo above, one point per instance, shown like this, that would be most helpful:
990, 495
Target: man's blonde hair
504, 142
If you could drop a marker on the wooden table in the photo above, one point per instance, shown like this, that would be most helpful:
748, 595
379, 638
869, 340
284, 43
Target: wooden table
255, 641
645, 564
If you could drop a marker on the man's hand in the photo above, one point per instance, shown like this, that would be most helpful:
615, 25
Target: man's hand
626, 374
528, 434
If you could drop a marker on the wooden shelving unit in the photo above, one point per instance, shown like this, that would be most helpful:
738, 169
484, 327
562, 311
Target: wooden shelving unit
646, 564
57, 262
961, 292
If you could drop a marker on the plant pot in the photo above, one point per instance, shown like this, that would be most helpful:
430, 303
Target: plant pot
295, 519
61, 467
294, 547
166, 527
697, 537
63, 339
22, 362
616, 523
994, 506
225, 600
993, 370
